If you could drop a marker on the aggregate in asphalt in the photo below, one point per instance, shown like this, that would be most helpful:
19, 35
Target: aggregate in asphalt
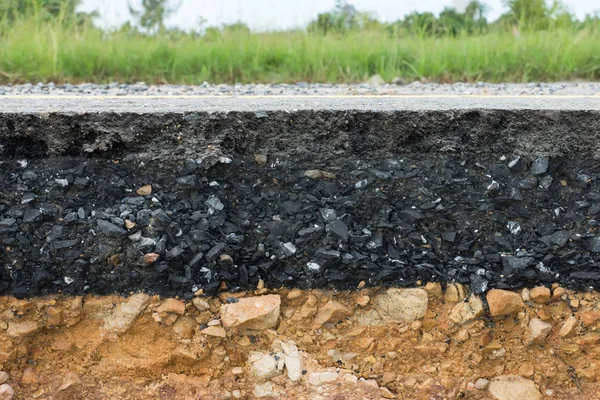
310, 198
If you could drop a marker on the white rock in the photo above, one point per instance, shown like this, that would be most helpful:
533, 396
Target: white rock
263, 389
538, 330
481, 383
6, 392
263, 366
293, 360
319, 378
260, 312
402, 304
514, 387
126, 313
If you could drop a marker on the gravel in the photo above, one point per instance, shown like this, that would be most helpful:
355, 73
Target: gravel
424, 218
318, 89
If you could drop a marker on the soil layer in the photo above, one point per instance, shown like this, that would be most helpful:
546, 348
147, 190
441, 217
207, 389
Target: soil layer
307, 344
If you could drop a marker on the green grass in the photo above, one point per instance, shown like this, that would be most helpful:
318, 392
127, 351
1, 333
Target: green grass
31, 51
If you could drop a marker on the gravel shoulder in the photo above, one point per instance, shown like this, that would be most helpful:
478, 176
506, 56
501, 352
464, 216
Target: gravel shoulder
206, 89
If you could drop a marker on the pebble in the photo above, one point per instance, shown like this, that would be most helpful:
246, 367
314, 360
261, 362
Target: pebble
513, 387
4, 377
481, 384
455, 292
318, 174
263, 366
30, 376
363, 301
333, 311
70, 380
259, 312
200, 304
527, 369
320, 378
121, 319
568, 327
18, 329
151, 258
538, 330
6, 392
595, 244
504, 302
214, 330
263, 389
184, 327
171, 306
539, 166
464, 312
110, 229
540, 295
144, 190
402, 304
294, 360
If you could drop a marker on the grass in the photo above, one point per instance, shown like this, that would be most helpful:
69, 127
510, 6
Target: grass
31, 51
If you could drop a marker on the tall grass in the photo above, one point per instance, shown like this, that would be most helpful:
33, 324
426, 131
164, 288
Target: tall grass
34, 50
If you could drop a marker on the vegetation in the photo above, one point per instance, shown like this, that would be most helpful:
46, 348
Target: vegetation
42, 40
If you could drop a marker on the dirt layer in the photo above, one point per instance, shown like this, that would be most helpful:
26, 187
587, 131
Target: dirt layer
371, 343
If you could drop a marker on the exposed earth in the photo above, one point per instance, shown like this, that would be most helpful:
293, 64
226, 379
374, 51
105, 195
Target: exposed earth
418, 343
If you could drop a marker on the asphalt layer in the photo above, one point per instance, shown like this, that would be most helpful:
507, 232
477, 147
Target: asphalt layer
187, 104
301, 192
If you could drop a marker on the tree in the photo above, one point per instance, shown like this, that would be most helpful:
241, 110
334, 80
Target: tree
528, 13
153, 14
12, 9
343, 17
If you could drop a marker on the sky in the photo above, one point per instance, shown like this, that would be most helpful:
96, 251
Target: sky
263, 15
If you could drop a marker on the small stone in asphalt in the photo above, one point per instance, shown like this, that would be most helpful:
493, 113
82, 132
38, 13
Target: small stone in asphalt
540, 166
110, 229
338, 229
595, 244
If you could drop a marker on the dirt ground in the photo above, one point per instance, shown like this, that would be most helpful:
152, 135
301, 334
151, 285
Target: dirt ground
422, 343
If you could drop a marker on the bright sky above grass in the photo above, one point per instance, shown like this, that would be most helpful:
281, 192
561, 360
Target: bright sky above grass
282, 14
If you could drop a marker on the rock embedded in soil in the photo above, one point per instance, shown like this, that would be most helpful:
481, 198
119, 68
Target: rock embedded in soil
333, 311
260, 312
294, 360
503, 302
121, 319
540, 294
217, 331
513, 387
538, 330
481, 384
568, 327
171, 306
6, 392
464, 312
17, 329
201, 305
402, 304
4, 377
263, 366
